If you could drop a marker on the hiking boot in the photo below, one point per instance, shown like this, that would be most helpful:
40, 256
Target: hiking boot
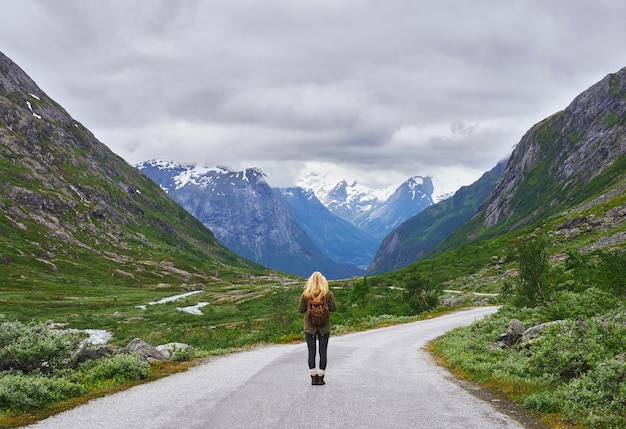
320, 376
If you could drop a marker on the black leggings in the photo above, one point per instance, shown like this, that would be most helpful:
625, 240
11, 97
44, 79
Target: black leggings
311, 343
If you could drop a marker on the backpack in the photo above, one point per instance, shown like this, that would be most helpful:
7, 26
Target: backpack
317, 311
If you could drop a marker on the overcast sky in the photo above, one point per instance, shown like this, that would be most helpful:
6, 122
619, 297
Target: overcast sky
376, 91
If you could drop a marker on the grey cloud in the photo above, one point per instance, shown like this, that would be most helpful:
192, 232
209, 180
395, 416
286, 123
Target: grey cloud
334, 81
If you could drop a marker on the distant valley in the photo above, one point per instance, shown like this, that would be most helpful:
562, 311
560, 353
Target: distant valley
298, 230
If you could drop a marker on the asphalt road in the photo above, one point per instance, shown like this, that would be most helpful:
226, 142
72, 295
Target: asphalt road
375, 379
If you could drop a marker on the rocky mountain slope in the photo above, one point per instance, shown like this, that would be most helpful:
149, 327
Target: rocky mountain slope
74, 213
564, 159
422, 232
247, 215
559, 163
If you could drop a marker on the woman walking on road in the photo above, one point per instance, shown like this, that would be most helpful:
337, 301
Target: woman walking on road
317, 301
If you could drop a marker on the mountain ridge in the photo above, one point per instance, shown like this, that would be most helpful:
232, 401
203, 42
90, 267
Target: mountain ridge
247, 215
559, 162
310, 228
71, 205
417, 236
362, 205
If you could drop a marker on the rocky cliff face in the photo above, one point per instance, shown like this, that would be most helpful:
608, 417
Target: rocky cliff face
573, 155
559, 155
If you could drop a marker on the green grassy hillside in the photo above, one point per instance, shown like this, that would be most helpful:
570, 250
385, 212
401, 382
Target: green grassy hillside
83, 234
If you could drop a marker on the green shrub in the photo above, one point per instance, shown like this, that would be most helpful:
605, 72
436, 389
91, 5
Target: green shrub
598, 398
581, 265
119, 368
36, 347
182, 354
572, 348
568, 304
282, 310
359, 290
611, 272
24, 392
606, 272
544, 402
420, 293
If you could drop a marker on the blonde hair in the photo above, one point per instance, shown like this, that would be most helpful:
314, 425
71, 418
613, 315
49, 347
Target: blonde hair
316, 286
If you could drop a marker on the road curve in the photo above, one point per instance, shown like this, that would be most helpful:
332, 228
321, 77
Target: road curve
375, 379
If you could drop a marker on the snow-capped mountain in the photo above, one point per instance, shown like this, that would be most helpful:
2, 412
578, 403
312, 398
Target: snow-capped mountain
346, 200
173, 176
251, 218
409, 199
421, 233
335, 228
376, 212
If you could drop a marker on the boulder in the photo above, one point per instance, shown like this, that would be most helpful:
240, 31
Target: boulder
146, 351
514, 331
92, 353
536, 331
170, 348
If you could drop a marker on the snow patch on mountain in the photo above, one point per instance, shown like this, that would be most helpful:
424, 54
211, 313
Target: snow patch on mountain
354, 191
201, 176
345, 199
374, 211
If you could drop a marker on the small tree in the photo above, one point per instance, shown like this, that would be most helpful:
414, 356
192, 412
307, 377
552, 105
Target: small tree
420, 293
283, 305
532, 285
360, 289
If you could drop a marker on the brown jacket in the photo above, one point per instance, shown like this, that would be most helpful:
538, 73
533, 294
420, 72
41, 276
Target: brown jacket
312, 329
